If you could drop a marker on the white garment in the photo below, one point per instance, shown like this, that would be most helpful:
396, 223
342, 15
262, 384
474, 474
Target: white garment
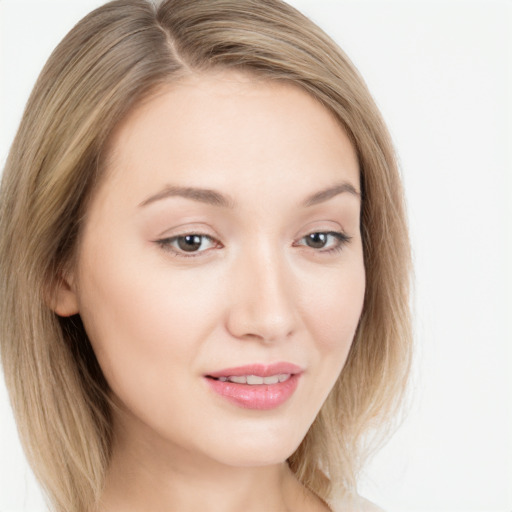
344, 503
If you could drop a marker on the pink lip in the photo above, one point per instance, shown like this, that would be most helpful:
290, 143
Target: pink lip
260, 396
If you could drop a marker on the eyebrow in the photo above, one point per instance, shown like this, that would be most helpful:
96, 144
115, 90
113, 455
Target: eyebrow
214, 198
330, 192
203, 195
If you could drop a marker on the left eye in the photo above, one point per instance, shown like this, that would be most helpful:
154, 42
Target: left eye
330, 240
189, 243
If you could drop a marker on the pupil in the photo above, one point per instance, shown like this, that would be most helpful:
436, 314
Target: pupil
317, 240
189, 243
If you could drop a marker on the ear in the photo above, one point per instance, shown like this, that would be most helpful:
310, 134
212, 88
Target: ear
64, 300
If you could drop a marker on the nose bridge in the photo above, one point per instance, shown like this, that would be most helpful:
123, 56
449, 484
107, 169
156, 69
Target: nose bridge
264, 300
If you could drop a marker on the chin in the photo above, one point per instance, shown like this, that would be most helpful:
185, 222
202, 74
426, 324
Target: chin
267, 446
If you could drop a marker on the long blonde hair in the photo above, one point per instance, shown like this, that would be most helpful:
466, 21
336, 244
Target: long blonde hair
111, 60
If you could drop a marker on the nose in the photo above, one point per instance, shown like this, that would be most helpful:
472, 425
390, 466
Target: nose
263, 305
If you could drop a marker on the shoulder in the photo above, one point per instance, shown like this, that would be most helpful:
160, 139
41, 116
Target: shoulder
353, 503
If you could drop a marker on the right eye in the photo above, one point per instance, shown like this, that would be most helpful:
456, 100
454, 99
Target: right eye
189, 244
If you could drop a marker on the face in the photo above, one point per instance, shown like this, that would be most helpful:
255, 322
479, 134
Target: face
220, 274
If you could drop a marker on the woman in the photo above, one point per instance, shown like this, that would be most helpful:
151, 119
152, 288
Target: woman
205, 264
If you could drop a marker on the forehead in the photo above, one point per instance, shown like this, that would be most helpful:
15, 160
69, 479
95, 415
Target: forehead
231, 128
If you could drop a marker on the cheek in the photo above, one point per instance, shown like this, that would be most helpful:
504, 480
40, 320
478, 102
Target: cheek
333, 308
143, 328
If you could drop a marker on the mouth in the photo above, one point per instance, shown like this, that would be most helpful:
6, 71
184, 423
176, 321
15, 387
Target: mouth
255, 380
260, 387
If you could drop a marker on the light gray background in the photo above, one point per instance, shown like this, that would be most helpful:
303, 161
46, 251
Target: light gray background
441, 73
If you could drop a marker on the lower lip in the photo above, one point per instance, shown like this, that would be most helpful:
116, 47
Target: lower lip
259, 396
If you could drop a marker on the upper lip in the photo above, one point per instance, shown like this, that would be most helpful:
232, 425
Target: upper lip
261, 370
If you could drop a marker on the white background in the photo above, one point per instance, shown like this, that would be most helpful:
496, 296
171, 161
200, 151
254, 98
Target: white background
441, 73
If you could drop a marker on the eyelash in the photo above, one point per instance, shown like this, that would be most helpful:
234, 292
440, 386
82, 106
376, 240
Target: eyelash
165, 243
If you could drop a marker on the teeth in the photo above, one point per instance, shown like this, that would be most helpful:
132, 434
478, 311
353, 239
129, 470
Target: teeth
238, 380
254, 380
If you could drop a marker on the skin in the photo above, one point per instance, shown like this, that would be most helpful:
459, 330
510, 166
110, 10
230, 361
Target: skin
254, 291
